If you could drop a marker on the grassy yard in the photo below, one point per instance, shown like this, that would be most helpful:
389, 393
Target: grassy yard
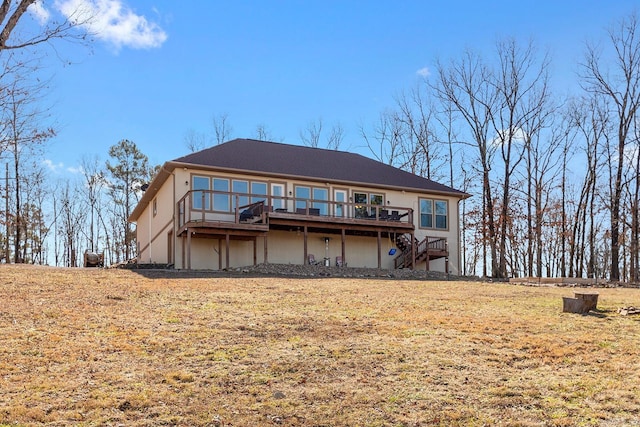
114, 347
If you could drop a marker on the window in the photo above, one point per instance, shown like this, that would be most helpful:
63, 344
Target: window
362, 199
426, 213
201, 199
241, 187
360, 210
258, 188
302, 195
339, 196
221, 200
441, 214
375, 200
321, 194
433, 214
277, 196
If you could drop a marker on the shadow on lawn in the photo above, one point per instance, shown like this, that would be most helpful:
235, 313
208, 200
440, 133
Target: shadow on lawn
601, 314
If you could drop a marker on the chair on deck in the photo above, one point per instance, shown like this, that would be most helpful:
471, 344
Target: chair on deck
311, 260
340, 262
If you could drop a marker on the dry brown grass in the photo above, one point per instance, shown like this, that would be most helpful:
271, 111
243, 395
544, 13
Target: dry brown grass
97, 347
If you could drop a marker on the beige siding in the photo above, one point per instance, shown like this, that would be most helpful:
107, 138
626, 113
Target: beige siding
152, 230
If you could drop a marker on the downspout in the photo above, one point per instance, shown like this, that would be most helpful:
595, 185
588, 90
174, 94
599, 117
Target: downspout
459, 255
174, 237
150, 234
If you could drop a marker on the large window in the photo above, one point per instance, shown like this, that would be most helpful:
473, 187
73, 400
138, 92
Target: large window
221, 200
340, 196
277, 196
362, 199
201, 199
360, 210
302, 195
376, 200
321, 194
433, 214
258, 188
241, 187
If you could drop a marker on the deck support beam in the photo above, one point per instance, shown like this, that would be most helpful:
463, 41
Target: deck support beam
343, 235
255, 251
379, 250
188, 249
427, 260
266, 250
413, 251
226, 238
306, 257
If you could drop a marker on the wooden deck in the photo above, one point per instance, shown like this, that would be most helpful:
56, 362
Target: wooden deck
250, 221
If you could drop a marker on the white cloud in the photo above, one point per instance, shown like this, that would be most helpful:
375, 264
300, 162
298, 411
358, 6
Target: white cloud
74, 170
114, 22
518, 135
39, 12
424, 72
53, 167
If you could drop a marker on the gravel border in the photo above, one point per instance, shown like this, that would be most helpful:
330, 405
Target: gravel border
295, 270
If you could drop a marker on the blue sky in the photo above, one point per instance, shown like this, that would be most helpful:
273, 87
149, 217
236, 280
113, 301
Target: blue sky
159, 68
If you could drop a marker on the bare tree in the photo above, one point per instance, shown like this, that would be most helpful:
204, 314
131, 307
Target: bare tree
263, 133
94, 184
336, 136
195, 141
221, 128
465, 84
12, 14
22, 127
311, 136
421, 146
72, 221
617, 78
591, 119
385, 139
522, 86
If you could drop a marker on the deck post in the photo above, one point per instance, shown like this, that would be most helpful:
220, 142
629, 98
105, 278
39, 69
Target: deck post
266, 250
184, 248
202, 205
306, 258
226, 238
379, 253
413, 251
344, 259
427, 255
188, 249
255, 250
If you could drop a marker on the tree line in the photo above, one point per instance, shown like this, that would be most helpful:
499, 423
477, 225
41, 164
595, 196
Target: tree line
555, 179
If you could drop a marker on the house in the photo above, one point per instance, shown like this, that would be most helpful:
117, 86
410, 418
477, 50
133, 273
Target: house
245, 202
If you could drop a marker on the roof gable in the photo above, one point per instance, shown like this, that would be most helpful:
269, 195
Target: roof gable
325, 165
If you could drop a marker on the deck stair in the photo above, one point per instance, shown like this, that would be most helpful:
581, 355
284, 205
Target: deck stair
429, 248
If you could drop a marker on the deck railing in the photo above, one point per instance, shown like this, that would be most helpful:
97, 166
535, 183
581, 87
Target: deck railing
225, 206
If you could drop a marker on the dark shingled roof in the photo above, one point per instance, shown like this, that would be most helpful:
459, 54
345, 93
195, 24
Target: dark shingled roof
316, 163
